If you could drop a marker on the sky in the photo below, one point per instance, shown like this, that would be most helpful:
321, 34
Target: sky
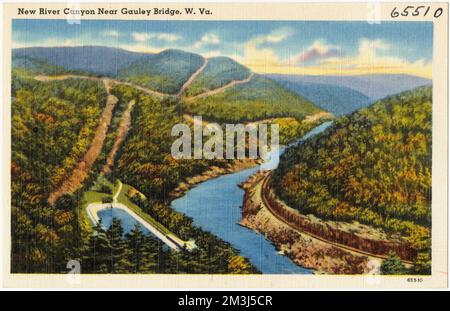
285, 47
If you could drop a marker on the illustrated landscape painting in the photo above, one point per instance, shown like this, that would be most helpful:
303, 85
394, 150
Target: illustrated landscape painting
98, 108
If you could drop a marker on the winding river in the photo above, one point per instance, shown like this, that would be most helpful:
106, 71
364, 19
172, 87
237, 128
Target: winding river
215, 205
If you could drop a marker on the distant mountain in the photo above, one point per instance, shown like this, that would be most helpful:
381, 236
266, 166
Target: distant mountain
260, 98
337, 99
373, 86
94, 59
165, 72
37, 66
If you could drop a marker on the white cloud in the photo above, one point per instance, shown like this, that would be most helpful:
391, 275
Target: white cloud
167, 37
111, 33
371, 53
321, 58
275, 36
373, 57
206, 40
368, 49
318, 50
140, 36
258, 56
145, 36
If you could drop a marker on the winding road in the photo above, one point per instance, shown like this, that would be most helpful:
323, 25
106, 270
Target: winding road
44, 78
221, 89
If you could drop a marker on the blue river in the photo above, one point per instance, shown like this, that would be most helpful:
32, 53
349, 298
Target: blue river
215, 206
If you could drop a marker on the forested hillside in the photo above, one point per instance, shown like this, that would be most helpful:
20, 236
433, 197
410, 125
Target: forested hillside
29, 66
145, 158
98, 60
52, 126
145, 162
373, 166
164, 72
254, 98
218, 72
258, 99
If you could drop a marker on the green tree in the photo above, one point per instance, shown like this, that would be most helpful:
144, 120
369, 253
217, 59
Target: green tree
118, 256
143, 251
107, 199
392, 265
105, 189
96, 255
422, 264
66, 202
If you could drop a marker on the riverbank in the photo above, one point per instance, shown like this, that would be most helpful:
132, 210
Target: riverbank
302, 248
215, 206
210, 173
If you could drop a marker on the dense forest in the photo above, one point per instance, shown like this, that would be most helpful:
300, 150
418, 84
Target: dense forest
145, 162
145, 159
373, 166
113, 251
167, 71
52, 126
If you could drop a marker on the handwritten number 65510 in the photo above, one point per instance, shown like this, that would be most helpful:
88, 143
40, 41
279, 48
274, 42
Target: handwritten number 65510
416, 11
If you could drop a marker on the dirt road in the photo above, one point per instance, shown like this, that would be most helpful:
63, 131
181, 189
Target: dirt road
81, 170
221, 89
122, 131
192, 78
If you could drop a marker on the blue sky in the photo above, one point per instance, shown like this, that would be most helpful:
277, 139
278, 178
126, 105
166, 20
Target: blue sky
265, 46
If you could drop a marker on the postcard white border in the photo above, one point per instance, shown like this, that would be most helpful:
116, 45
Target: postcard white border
258, 11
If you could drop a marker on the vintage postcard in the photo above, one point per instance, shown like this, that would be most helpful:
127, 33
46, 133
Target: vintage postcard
225, 145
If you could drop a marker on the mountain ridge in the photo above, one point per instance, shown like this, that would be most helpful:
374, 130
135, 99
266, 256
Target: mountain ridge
170, 72
339, 100
374, 86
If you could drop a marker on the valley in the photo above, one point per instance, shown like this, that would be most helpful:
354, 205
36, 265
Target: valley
92, 153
